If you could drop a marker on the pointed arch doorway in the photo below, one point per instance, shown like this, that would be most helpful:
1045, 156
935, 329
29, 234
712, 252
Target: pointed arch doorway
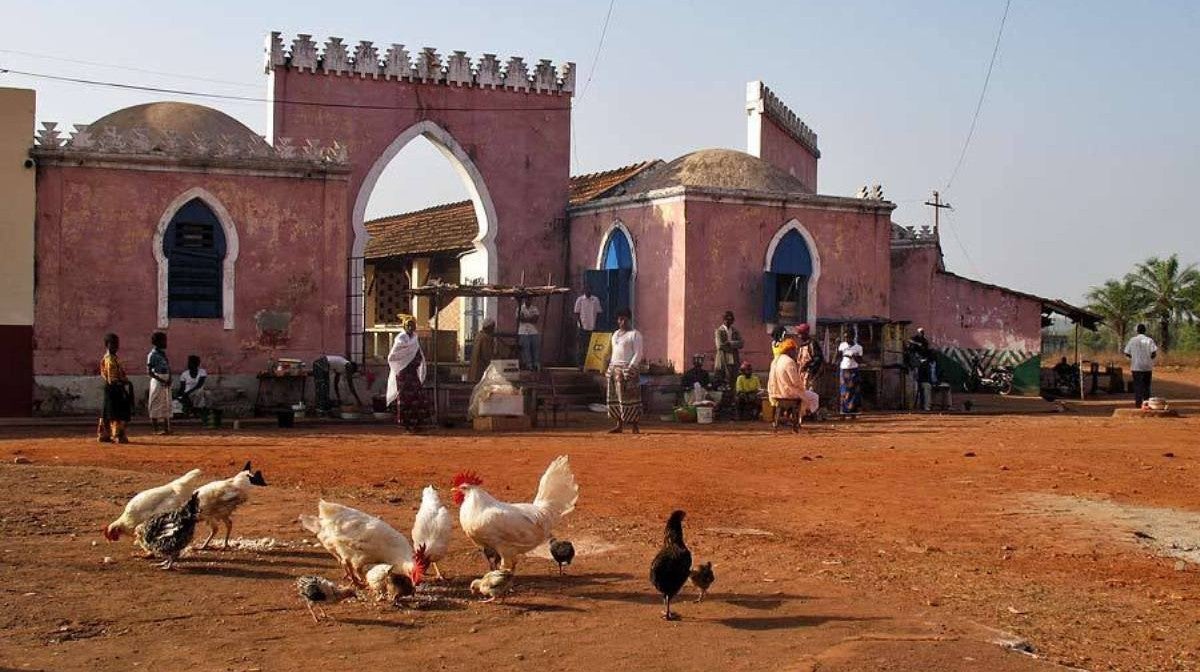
612, 279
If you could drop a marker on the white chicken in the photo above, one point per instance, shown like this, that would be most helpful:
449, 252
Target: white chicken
149, 503
511, 530
359, 540
432, 528
219, 499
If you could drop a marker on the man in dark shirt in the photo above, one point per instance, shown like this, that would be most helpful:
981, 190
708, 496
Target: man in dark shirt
696, 374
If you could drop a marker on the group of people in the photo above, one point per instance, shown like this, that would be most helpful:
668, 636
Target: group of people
119, 399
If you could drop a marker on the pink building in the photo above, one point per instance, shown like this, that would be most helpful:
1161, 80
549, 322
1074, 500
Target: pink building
176, 217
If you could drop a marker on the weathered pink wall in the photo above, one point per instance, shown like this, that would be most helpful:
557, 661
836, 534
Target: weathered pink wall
957, 312
783, 151
97, 272
519, 141
732, 237
689, 275
659, 287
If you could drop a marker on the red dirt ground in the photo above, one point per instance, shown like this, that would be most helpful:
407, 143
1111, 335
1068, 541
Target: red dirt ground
880, 544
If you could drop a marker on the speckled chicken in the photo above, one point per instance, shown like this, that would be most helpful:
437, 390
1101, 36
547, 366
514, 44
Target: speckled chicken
319, 590
703, 578
562, 551
495, 584
167, 534
673, 563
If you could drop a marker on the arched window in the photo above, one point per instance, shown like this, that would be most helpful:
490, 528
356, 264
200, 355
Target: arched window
618, 252
790, 277
194, 247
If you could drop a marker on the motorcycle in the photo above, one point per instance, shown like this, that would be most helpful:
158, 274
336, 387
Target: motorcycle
999, 379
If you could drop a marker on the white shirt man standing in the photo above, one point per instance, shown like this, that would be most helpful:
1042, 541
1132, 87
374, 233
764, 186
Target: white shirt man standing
1141, 351
527, 335
587, 308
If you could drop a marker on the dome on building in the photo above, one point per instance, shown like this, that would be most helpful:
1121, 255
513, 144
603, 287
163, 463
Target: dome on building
181, 120
718, 169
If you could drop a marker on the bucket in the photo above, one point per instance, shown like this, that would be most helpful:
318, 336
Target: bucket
286, 418
704, 415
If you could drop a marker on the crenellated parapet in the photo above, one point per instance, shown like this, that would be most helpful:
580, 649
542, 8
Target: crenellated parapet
145, 143
761, 99
427, 66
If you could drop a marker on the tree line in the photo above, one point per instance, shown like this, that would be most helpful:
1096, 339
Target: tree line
1162, 293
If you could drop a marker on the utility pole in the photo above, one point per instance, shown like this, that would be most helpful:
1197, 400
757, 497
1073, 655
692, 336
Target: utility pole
937, 206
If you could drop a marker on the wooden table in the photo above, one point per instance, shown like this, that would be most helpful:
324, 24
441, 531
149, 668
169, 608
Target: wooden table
279, 393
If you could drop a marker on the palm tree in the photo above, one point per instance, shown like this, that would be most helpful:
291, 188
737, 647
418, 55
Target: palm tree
1168, 291
1120, 302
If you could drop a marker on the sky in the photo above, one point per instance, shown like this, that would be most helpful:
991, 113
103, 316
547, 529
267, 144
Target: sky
1085, 145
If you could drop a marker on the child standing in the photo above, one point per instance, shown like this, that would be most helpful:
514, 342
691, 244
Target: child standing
159, 403
118, 395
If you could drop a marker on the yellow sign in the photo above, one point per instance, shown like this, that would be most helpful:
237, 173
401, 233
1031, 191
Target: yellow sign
598, 351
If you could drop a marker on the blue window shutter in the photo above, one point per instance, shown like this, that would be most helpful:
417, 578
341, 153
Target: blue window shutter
194, 245
770, 308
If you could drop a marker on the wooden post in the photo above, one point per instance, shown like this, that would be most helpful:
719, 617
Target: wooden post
437, 414
1078, 364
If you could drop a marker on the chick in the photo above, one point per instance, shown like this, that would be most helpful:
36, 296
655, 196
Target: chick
314, 589
562, 551
702, 577
385, 585
495, 584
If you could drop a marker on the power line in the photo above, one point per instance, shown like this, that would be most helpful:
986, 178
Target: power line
253, 99
596, 56
979, 105
129, 68
970, 261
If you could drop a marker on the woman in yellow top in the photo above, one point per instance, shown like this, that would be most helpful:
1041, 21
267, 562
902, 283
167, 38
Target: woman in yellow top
749, 404
118, 395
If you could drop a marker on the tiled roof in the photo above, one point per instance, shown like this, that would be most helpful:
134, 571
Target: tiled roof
452, 227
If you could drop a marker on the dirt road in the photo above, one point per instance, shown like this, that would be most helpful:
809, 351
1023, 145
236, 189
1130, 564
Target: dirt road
890, 543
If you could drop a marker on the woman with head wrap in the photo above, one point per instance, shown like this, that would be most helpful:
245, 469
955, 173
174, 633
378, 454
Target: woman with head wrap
407, 379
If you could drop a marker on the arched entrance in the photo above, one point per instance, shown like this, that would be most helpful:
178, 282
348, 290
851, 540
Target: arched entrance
790, 276
504, 125
476, 267
612, 281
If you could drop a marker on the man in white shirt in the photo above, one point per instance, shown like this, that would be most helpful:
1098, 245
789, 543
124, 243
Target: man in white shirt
527, 335
624, 394
1141, 351
587, 307
338, 366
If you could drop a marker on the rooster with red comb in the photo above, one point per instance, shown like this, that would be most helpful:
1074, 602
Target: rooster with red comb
512, 530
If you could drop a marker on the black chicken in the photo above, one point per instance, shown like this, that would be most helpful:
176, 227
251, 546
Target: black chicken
167, 534
562, 551
673, 564
703, 578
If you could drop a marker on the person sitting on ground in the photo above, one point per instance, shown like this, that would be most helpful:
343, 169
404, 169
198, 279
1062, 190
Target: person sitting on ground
694, 375
191, 393
1063, 374
749, 399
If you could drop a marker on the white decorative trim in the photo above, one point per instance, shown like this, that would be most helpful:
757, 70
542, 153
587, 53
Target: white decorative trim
227, 268
428, 67
795, 225
619, 226
485, 210
762, 102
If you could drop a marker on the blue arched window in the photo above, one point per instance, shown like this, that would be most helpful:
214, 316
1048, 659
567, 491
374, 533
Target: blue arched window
785, 285
194, 245
618, 253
